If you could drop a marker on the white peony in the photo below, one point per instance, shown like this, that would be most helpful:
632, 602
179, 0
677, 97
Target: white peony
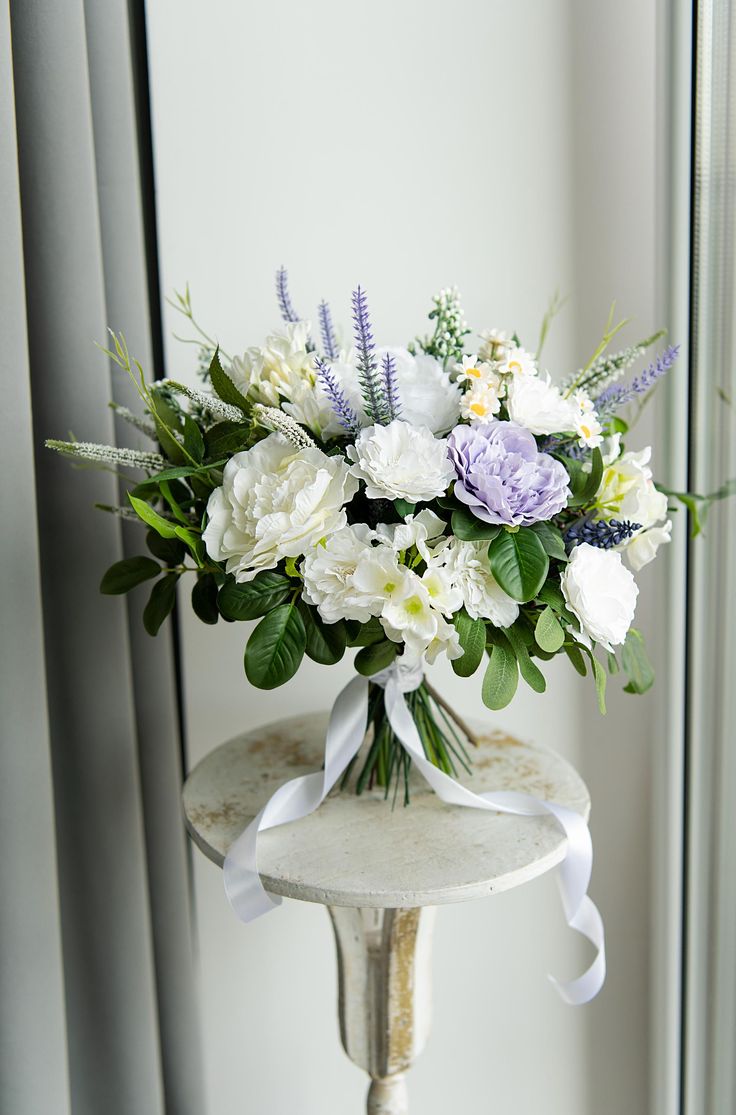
427, 395
642, 548
601, 593
535, 403
279, 369
328, 570
466, 563
627, 491
401, 461
275, 502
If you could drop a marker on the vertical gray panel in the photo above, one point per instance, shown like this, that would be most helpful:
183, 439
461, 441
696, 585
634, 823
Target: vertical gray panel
32, 1024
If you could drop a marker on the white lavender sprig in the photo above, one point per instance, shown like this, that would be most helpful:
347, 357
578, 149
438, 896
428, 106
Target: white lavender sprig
274, 419
108, 454
211, 403
136, 420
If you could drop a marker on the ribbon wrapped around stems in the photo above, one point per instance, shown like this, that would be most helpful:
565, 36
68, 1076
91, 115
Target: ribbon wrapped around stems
345, 733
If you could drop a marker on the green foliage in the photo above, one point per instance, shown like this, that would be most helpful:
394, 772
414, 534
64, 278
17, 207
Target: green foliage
548, 631
169, 550
466, 527
699, 505
144, 511
519, 563
530, 672
404, 508
160, 603
254, 598
125, 575
223, 386
472, 636
204, 598
636, 664
276, 647
378, 656
501, 677
225, 438
551, 538
364, 634
584, 485
572, 650
325, 641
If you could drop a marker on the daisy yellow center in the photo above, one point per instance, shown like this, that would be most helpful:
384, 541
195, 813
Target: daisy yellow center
585, 431
478, 408
514, 366
473, 372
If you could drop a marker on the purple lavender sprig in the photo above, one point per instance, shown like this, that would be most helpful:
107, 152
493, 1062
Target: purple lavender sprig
603, 533
286, 306
614, 397
370, 381
390, 386
345, 414
327, 330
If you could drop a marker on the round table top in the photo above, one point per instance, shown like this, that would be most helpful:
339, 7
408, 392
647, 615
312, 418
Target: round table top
361, 851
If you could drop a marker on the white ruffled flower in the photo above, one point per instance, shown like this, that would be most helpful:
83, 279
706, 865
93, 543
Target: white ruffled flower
627, 491
275, 502
328, 570
466, 563
516, 362
601, 593
480, 402
535, 403
279, 369
415, 530
401, 461
494, 342
587, 426
427, 395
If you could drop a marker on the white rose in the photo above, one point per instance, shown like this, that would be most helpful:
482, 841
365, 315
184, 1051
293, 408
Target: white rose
601, 593
328, 570
535, 403
275, 502
644, 545
278, 369
469, 570
401, 461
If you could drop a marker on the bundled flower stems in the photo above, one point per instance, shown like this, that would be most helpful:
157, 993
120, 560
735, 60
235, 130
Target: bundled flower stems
447, 498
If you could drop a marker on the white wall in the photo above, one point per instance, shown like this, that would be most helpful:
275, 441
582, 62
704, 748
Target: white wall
508, 148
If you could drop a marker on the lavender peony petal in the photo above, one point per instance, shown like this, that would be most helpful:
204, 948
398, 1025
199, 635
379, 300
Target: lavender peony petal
503, 478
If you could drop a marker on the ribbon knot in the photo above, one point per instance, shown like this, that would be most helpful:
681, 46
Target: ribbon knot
345, 732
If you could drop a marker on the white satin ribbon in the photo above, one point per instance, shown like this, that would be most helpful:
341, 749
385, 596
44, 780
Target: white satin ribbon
345, 733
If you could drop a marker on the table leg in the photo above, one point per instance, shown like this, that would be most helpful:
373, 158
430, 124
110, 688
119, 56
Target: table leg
384, 995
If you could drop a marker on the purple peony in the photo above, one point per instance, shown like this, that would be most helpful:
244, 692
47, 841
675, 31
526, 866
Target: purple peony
502, 476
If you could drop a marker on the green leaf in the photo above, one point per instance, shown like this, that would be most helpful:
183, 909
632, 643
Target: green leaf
550, 593
224, 386
125, 575
166, 420
254, 598
325, 641
472, 636
145, 512
193, 440
204, 598
584, 485
404, 508
573, 652
182, 471
469, 529
636, 664
160, 603
169, 550
699, 505
530, 672
551, 538
378, 656
600, 683
612, 663
275, 648
225, 438
548, 631
519, 563
365, 634
501, 677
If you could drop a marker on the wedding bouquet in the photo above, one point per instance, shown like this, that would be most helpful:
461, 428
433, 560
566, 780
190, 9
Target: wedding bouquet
443, 498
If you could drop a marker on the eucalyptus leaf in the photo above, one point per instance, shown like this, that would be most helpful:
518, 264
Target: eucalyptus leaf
530, 672
573, 652
253, 598
125, 575
548, 631
636, 664
472, 636
275, 648
501, 677
160, 603
519, 563
404, 508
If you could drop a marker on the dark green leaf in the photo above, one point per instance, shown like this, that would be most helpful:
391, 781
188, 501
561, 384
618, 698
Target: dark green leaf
193, 440
325, 641
125, 575
501, 677
144, 511
466, 527
636, 664
551, 594
225, 438
378, 656
472, 636
275, 648
612, 663
584, 484
254, 598
169, 550
167, 425
160, 603
365, 634
548, 632
551, 538
224, 386
404, 508
204, 599
530, 672
519, 563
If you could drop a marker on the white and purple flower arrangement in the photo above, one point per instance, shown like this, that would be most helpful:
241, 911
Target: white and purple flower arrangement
443, 498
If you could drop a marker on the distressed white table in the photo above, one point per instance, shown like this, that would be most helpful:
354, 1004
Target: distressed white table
381, 871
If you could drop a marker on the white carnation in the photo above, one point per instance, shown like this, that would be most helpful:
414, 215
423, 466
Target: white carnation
401, 461
467, 566
328, 570
275, 502
535, 403
601, 593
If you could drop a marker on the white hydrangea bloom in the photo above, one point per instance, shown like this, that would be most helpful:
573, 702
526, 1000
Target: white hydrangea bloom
466, 564
328, 570
275, 502
601, 593
401, 461
535, 403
